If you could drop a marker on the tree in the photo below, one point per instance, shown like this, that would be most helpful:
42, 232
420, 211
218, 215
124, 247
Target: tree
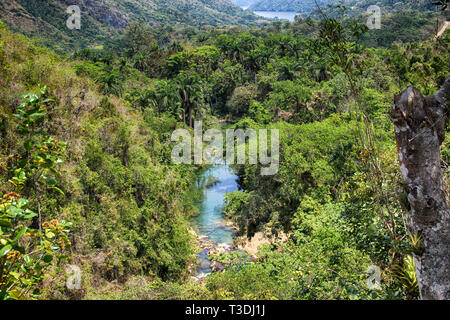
139, 38
27, 254
420, 130
190, 90
166, 96
110, 82
241, 99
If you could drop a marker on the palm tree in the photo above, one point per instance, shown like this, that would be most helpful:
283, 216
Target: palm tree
110, 83
190, 90
167, 96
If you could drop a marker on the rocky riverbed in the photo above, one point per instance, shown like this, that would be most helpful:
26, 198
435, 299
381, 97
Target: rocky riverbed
213, 232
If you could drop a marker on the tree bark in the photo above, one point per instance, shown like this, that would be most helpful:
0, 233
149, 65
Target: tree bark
420, 130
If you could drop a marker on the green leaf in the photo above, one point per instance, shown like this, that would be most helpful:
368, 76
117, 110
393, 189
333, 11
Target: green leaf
14, 211
16, 295
51, 181
27, 259
5, 222
29, 214
5, 250
58, 190
37, 115
19, 235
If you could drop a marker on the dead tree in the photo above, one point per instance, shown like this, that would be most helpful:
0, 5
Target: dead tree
420, 130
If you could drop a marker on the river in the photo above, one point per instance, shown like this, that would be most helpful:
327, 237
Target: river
211, 221
282, 15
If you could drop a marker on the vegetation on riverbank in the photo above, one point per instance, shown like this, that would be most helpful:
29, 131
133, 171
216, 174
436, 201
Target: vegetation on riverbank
129, 207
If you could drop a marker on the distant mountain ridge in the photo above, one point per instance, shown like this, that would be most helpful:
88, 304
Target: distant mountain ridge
300, 6
104, 19
243, 3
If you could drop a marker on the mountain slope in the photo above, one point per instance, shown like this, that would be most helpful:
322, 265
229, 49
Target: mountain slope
406, 21
357, 7
104, 19
121, 204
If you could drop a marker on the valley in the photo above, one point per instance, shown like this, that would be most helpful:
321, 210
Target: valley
105, 193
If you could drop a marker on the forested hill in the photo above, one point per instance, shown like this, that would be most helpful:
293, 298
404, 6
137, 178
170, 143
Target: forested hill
405, 21
88, 181
357, 7
302, 6
103, 20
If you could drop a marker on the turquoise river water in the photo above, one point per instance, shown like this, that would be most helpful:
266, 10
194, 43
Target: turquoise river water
211, 221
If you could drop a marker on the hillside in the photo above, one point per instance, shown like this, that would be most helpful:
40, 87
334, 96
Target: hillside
115, 184
104, 20
301, 6
406, 21
358, 7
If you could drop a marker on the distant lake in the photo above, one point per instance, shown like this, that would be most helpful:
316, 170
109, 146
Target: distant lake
282, 15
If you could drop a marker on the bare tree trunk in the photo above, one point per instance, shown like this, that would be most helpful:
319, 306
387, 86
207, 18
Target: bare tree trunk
420, 130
